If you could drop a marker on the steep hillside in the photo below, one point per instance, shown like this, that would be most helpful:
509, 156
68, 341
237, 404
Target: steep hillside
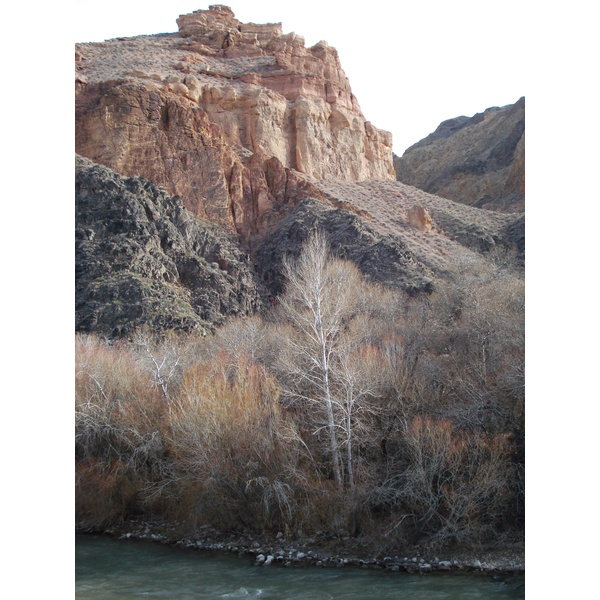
142, 259
436, 230
200, 111
478, 161
383, 258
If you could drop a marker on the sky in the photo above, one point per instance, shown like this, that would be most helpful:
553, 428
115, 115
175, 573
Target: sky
411, 65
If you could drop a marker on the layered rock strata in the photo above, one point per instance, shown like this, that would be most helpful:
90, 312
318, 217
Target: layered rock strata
478, 161
201, 112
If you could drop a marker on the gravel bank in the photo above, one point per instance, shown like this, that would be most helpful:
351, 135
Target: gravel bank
322, 550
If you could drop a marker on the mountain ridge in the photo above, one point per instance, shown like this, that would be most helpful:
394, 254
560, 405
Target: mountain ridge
478, 160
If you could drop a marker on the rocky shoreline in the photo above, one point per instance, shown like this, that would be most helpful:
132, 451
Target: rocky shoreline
320, 550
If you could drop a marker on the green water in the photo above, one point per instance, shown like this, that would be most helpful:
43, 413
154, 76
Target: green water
107, 568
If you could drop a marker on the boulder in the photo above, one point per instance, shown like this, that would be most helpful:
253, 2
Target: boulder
419, 218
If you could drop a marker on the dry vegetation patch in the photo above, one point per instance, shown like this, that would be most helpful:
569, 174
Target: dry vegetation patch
349, 410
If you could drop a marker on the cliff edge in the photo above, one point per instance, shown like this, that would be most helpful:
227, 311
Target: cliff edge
201, 111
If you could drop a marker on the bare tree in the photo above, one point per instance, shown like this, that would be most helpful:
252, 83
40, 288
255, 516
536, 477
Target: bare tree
162, 358
356, 374
317, 302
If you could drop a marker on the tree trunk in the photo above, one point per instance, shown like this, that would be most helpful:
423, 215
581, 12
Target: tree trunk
350, 468
335, 453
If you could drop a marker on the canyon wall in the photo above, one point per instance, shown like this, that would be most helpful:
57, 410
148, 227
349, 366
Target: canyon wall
207, 112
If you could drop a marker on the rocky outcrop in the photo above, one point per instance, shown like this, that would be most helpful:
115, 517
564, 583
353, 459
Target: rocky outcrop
142, 259
383, 258
294, 103
419, 218
202, 111
478, 161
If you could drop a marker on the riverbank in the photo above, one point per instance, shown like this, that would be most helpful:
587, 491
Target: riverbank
322, 550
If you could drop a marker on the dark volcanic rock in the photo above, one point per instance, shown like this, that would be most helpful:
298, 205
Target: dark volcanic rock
142, 259
478, 161
383, 258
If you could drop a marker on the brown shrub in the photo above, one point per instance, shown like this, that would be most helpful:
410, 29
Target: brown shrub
454, 485
119, 416
230, 448
446, 487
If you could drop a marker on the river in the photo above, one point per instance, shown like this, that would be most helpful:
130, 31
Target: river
108, 568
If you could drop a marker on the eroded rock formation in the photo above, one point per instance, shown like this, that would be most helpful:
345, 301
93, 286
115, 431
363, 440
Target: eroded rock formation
478, 161
419, 217
142, 259
383, 258
203, 111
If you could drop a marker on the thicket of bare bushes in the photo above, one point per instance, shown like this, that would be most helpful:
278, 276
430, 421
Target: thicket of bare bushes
346, 409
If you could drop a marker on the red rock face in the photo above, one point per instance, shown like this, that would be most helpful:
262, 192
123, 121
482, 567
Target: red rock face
171, 141
135, 130
223, 114
419, 218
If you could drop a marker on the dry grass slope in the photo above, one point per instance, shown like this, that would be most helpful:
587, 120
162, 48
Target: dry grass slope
460, 232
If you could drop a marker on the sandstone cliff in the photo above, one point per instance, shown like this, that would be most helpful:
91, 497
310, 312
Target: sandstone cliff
201, 112
478, 161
